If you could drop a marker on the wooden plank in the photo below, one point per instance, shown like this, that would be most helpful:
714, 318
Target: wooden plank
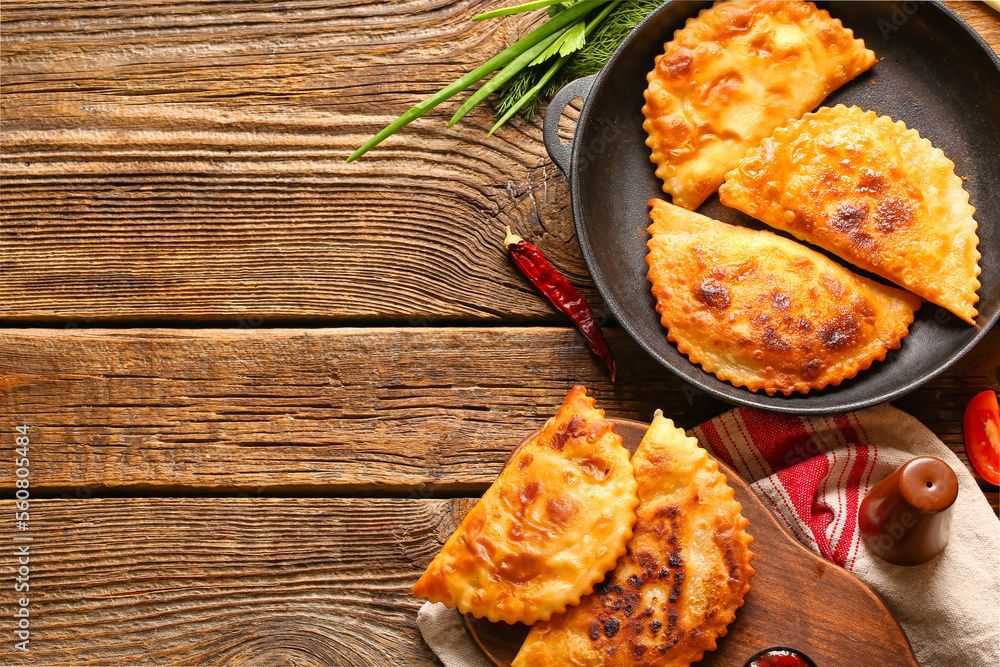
361, 411
984, 19
233, 581
182, 161
185, 162
338, 410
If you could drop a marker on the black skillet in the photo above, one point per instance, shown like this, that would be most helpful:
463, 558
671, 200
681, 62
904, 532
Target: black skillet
934, 72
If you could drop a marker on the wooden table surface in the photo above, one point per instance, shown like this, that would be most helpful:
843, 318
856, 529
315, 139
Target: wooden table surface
262, 385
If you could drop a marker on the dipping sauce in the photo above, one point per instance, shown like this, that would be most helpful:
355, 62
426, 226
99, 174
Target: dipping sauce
780, 657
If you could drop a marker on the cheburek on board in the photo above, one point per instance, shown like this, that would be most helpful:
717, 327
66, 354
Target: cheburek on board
674, 585
686, 572
552, 524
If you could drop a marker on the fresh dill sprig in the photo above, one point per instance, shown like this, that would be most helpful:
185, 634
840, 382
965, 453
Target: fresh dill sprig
606, 38
516, 88
585, 61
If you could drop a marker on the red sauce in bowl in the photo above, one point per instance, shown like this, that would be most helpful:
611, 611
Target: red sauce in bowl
779, 658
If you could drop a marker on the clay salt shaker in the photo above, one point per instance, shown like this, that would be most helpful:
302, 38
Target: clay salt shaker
906, 518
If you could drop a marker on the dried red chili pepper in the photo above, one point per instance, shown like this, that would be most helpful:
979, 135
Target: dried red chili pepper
566, 298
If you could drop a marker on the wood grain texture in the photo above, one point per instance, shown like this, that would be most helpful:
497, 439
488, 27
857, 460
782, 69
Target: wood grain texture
177, 161
244, 581
985, 20
367, 411
174, 161
181, 161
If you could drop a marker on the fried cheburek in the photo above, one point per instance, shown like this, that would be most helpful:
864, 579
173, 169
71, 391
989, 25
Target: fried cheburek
555, 521
765, 312
872, 192
731, 76
686, 572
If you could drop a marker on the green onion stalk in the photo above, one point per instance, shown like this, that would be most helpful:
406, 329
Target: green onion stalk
576, 40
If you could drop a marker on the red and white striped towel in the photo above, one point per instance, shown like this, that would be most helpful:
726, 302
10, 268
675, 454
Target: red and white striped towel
813, 473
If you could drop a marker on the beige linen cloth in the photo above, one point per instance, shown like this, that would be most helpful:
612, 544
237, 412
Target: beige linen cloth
813, 472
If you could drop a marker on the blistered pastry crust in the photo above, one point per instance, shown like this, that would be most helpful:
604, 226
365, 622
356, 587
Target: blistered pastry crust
872, 192
686, 573
764, 312
732, 75
554, 522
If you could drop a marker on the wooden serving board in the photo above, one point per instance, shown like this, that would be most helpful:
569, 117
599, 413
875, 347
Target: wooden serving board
797, 600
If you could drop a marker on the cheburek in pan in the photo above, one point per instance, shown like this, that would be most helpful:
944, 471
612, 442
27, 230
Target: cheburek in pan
872, 192
686, 572
764, 312
731, 76
554, 522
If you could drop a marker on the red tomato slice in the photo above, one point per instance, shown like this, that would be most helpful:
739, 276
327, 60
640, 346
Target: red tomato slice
982, 435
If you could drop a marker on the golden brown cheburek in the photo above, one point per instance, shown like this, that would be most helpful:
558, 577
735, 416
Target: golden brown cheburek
554, 522
765, 312
686, 572
872, 192
730, 77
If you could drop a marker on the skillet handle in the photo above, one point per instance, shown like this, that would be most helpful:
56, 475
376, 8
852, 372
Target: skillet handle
559, 152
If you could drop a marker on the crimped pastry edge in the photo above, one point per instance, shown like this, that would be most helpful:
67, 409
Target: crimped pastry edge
897, 128
801, 387
720, 628
664, 170
600, 569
